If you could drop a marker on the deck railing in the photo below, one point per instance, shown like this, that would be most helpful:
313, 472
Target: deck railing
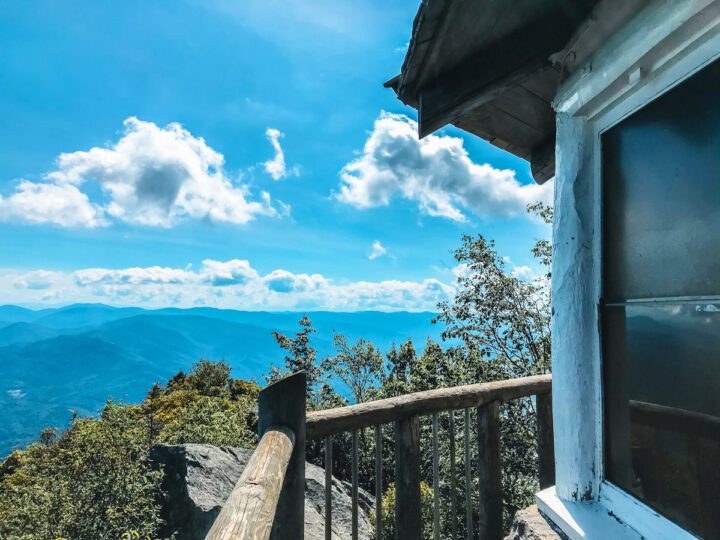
258, 508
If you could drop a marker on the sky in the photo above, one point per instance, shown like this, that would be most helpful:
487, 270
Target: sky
235, 154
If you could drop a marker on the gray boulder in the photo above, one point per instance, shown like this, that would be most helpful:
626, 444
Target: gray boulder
531, 524
199, 478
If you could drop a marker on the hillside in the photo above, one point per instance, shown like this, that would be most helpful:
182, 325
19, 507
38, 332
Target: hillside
75, 357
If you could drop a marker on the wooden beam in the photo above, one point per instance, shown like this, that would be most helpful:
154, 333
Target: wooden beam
383, 411
408, 518
490, 72
249, 511
542, 161
283, 403
545, 440
490, 507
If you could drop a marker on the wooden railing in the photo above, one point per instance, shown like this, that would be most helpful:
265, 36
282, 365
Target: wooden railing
258, 508
269, 497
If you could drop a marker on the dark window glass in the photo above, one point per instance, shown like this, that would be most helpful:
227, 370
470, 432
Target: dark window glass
661, 186
661, 317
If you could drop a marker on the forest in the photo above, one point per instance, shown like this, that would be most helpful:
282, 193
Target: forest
95, 478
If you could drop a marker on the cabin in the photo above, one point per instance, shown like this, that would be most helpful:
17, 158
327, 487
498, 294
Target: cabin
617, 102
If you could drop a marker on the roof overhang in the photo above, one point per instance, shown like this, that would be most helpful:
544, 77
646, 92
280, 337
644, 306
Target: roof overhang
493, 67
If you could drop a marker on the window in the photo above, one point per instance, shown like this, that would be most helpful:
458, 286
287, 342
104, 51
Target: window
661, 303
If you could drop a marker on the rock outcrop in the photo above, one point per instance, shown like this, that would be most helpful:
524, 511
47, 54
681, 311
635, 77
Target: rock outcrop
531, 524
199, 477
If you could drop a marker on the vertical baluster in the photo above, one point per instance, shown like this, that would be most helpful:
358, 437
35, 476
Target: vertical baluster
490, 508
453, 481
378, 482
468, 485
436, 479
545, 442
408, 518
355, 485
328, 487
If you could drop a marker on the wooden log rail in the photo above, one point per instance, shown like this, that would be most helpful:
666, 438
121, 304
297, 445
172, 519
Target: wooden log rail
249, 511
405, 412
384, 411
268, 499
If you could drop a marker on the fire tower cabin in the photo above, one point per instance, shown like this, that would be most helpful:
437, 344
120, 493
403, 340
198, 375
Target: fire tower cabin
619, 101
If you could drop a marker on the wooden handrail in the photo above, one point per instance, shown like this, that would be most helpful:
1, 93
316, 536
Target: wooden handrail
269, 497
249, 511
362, 415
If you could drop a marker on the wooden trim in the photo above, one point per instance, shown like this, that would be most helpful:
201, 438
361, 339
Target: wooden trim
383, 411
249, 511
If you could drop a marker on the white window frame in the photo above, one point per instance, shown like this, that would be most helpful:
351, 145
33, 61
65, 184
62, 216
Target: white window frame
659, 48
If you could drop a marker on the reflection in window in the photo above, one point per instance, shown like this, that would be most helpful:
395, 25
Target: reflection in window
661, 317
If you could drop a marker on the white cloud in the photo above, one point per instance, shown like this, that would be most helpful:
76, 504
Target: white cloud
523, 272
227, 284
16, 394
221, 274
378, 250
154, 176
36, 280
434, 172
42, 202
276, 166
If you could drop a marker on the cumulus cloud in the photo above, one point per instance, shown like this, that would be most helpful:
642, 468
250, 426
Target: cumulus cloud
523, 272
226, 284
378, 250
154, 176
276, 167
44, 202
16, 393
222, 274
36, 280
435, 172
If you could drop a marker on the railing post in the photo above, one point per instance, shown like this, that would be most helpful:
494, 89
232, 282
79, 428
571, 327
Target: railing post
453, 480
283, 403
378, 482
545, 441
408, 517
328, 487
490, 506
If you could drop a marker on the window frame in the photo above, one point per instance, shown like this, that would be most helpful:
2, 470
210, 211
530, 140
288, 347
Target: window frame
630, 71
626, 507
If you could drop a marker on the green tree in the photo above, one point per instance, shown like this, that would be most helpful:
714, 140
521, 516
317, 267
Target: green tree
94, 481
302, 357
504, 324
358, 365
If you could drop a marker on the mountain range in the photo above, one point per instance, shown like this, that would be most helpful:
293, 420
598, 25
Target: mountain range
55, 360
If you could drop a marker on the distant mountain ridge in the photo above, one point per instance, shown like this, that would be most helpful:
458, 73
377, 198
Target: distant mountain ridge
54, 360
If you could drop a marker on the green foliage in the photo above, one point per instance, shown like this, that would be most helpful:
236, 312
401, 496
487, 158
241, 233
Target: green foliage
302, 357
95, 480
207, 420
388, 511
358, 365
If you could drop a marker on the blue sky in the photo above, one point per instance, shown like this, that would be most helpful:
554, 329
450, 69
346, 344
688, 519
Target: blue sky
237, 154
